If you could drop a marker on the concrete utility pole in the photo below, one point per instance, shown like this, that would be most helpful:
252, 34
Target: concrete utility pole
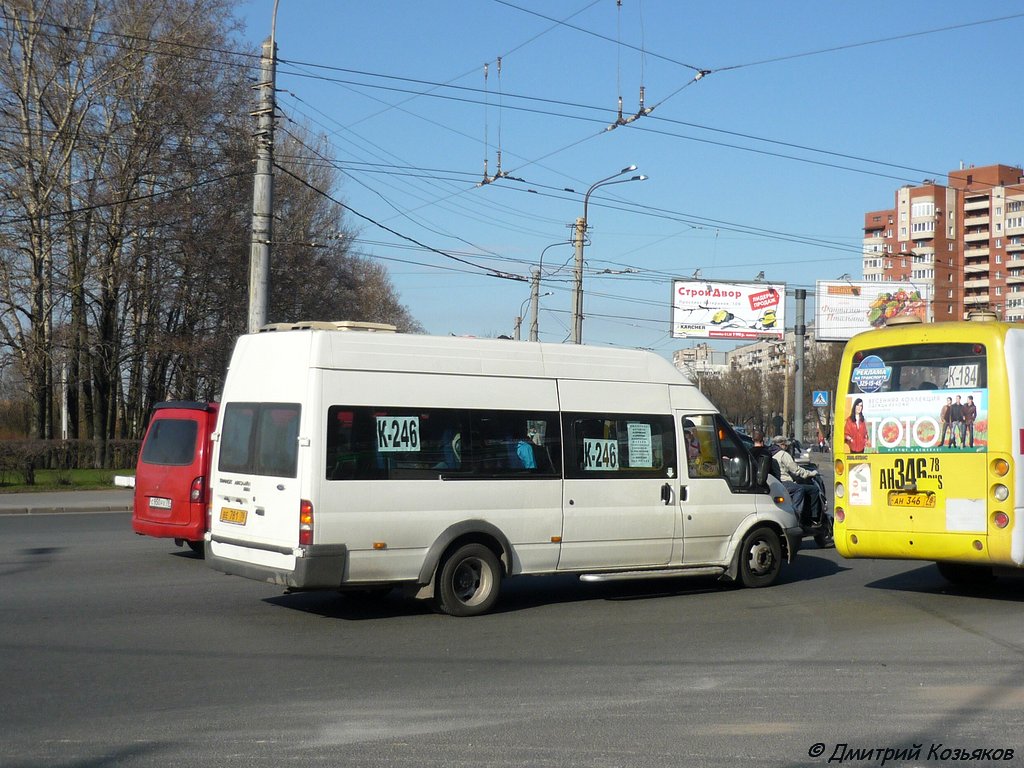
579, 234
534, 302
577, 280
263, 188
785, 388
798, 382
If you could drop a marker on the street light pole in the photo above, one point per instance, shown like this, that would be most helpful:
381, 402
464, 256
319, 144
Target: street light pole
535, 295
799, 332
519, 319
535, 288
578, 236
534, 301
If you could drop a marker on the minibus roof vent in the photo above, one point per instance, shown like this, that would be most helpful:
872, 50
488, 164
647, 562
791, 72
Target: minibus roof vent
903, 320
982, 316
330, 325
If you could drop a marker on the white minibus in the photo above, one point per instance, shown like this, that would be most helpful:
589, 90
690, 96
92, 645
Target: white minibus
367, 461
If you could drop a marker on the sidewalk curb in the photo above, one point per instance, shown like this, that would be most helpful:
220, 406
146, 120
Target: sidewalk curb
62, 510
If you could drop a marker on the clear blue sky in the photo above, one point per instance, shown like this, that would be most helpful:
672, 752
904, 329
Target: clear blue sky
811, 114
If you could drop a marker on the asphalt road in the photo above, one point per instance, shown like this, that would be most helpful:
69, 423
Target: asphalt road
123, 650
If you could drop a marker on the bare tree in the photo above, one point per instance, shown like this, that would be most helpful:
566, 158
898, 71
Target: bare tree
823, 375
47, 72
126, 157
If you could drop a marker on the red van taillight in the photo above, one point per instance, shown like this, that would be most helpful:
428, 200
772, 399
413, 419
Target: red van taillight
197, 492
305, 523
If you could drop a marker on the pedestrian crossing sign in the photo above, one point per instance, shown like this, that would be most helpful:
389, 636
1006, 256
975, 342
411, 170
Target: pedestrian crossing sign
820, 398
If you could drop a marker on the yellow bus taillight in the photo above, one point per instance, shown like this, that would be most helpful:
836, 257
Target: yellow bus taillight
1000, 467
1000, 519
1000, 492
840, 467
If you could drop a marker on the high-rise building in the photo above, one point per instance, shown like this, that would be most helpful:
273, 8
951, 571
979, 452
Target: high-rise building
964, 240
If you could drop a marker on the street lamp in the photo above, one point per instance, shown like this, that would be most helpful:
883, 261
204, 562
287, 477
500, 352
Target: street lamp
532, 298
581, 230
535, 293
519, 319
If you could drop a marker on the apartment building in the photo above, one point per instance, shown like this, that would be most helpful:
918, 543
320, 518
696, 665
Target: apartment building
964, 239
700, 360
771, 356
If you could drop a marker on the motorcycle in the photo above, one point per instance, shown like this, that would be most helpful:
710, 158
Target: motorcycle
819, 529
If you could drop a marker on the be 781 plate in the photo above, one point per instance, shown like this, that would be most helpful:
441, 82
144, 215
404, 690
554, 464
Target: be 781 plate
233, 516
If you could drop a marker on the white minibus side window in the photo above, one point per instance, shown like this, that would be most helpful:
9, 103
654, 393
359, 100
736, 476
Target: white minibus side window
609, 446
380, 443
713, 450
702, 456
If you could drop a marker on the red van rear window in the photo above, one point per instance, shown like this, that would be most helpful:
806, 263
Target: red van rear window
171, 442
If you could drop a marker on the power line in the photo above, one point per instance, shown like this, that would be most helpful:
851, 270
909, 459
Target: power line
488, 270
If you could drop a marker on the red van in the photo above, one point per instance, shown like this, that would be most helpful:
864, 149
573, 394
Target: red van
173, 471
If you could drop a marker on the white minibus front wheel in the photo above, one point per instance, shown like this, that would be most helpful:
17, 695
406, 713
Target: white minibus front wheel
760, 557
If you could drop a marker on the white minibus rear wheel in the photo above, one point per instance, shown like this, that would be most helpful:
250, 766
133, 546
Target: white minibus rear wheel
468, 581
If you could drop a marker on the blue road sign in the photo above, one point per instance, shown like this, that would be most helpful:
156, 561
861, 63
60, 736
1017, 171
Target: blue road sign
820, 398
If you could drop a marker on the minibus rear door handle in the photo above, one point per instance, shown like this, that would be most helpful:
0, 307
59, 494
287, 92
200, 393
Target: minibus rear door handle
666, 493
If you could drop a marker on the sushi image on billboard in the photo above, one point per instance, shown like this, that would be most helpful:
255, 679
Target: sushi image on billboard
842, 309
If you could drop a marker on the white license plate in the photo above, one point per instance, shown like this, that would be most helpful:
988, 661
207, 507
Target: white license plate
156, 502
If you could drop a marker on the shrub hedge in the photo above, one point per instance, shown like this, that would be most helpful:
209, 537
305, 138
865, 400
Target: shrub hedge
22, 458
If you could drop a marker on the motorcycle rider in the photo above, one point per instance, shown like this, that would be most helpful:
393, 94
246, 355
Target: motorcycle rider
804, 496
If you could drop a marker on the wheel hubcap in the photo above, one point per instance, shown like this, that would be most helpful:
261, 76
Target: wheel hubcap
761, 557
468, 579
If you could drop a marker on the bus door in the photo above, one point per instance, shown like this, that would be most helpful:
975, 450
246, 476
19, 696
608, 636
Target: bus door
715, 464
257, 497
619, 494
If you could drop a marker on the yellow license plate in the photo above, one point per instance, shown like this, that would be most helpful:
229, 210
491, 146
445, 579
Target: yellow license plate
233, 516
906, 499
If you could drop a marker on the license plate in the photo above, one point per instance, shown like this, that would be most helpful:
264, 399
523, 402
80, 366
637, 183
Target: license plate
906, 499
233, 516
156, 502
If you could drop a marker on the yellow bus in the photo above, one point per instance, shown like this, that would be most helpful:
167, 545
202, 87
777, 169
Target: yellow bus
929, 437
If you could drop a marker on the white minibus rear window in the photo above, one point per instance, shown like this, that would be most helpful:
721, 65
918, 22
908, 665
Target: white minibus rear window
260, 439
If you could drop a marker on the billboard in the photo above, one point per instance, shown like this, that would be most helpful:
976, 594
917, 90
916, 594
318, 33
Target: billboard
843, 308
707, 309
